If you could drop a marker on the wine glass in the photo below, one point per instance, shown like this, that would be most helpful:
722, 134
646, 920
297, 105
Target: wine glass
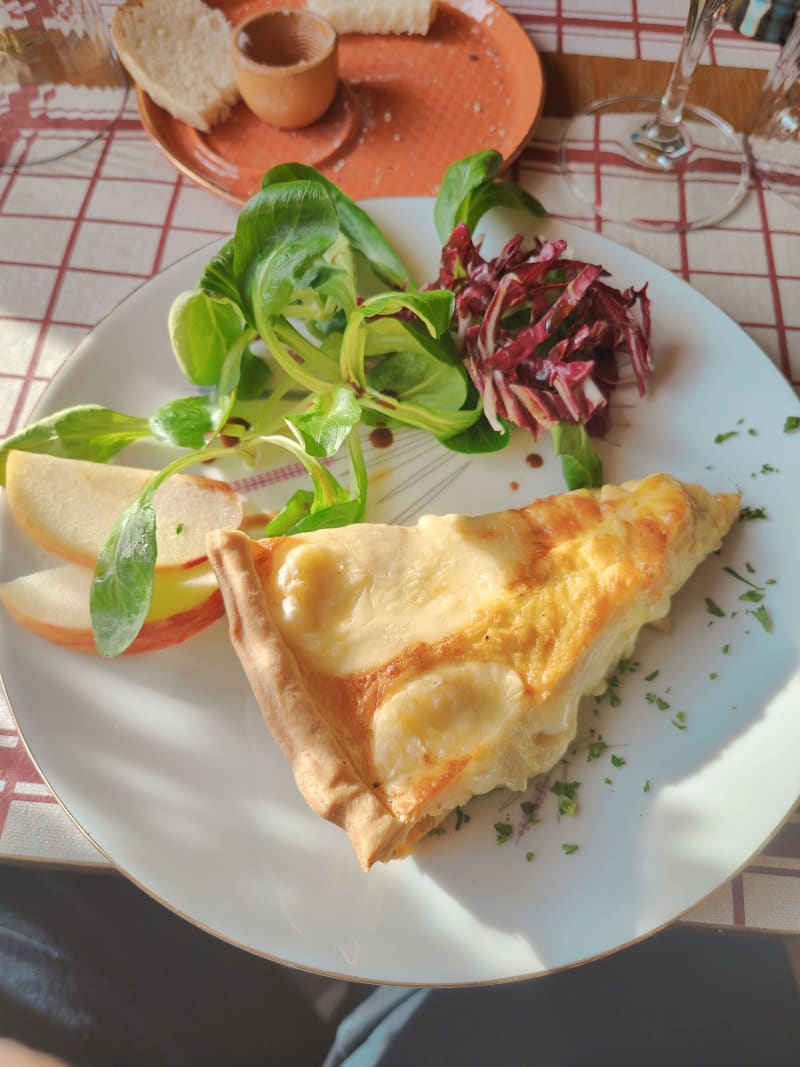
772, 136
694, 168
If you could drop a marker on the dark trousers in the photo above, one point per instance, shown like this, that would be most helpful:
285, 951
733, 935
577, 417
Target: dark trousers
94, 971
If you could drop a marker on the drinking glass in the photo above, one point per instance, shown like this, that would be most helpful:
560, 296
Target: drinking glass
61, 84
659, 164
773, 134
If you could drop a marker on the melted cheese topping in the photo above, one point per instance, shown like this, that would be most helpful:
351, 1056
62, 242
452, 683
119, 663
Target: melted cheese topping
447, 714
485, 632
482, 720
354, 598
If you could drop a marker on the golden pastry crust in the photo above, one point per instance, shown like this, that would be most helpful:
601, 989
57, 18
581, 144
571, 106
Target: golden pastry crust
322, 770
387, 731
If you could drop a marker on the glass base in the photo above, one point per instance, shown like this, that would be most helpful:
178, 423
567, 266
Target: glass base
615, 163
776, 163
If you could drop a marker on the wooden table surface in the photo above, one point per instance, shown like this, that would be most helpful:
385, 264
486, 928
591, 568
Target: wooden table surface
573, 81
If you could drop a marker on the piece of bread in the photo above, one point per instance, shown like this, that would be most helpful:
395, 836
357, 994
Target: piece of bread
404, 670
177, 51
376, 16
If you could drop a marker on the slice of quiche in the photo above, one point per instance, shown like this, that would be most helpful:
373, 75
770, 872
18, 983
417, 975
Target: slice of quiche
405, 669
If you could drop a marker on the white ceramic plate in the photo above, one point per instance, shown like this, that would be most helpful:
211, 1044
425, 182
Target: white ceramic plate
165, 763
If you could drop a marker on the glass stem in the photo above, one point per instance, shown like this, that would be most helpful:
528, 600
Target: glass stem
700, 25
663, 136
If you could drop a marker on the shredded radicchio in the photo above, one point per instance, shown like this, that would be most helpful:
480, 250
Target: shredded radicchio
543, 338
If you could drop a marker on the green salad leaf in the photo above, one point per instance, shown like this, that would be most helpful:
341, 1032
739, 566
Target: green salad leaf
88, 431
580, 464
325, 426
202, 328
356, 225
123, 579
471, 187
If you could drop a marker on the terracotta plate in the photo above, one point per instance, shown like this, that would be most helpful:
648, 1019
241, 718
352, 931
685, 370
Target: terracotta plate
407, 107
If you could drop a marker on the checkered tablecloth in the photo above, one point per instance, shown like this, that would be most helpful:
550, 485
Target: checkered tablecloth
629, 29
78, 235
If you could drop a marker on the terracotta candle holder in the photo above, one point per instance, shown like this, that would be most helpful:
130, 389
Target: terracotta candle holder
286, 64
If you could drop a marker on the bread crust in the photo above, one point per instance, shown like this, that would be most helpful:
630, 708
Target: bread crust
359, 16
132, 52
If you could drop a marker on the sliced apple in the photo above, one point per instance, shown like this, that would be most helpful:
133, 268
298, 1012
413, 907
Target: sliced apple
54, 604
70, 505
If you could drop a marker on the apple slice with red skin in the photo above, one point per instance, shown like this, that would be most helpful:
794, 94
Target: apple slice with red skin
54, 604
69, 506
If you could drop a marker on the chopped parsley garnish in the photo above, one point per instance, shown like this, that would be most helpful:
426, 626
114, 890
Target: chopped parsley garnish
607, 781
179, 528
752, 596
567, 793
504, 830
747, 513
792, 423
732, 572
767, 468
609, 693
651, 676
461, 817
596, 750
679, 721
760, 614
726, 649
437, 831
569, 849
722, 437
628, 666
529, 856
654, 698
618, 761
646, 786
714, 609
713, 676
